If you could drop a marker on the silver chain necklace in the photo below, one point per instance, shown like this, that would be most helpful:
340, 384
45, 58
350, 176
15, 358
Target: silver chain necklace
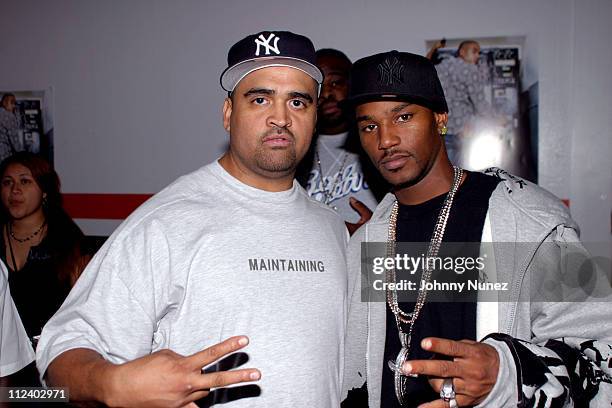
328, 191
432, 252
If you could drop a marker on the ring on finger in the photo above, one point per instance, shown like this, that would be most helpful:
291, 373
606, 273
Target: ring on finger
447, 392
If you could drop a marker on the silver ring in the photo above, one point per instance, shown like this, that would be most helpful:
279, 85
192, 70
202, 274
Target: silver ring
453, 403
447, 392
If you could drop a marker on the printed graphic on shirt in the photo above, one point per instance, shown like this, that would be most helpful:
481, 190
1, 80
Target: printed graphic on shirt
338, 185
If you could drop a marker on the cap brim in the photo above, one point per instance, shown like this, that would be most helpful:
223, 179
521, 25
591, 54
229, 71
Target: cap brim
232, 75
435, 106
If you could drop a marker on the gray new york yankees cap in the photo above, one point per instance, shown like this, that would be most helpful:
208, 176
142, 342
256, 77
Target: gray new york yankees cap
269, 49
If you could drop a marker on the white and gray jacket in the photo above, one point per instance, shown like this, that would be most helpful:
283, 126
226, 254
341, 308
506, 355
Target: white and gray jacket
552, 354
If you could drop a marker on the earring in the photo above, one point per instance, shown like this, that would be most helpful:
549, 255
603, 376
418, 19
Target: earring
443, 131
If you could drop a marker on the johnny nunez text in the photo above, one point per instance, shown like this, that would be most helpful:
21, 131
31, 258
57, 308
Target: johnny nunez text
434, 285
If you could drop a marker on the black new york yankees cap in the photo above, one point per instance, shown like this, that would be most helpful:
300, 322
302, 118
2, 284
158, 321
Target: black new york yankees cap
269, 49
396, 75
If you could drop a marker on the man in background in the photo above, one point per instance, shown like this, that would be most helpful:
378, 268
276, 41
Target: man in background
463, 82
9, 126
335, 172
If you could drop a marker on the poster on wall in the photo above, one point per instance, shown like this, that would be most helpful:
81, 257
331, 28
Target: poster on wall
26, 123
488, 124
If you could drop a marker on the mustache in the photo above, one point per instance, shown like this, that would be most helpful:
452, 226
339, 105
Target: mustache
394, 152
327, 100
277, 131
327, 104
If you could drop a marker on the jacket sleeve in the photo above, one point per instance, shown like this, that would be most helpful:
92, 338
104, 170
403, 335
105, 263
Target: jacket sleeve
353, 384
555, 374
567, 361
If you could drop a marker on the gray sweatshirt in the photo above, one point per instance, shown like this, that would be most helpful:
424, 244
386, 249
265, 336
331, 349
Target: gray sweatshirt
543, 346
209, 258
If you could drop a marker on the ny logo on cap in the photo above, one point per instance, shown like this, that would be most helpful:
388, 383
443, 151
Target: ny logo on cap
390, 72
262, 41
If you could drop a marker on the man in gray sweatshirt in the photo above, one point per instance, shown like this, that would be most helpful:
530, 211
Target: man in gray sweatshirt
547, 342
234, 249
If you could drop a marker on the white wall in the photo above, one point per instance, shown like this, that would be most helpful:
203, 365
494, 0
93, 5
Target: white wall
590, 121
137, 100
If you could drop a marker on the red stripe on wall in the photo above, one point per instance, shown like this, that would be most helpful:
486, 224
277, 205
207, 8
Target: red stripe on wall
102, 206
114, 206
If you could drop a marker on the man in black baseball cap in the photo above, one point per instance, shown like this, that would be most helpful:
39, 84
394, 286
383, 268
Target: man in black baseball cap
415, 351
233, 249
403, 80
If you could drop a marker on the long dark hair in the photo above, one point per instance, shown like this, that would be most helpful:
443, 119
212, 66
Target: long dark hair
64, 236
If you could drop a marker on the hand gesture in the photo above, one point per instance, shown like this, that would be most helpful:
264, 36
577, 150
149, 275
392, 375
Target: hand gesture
364, 212
473, 370
167, 379
435, 47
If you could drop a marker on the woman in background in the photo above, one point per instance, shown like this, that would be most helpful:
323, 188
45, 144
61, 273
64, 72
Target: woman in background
40, 244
